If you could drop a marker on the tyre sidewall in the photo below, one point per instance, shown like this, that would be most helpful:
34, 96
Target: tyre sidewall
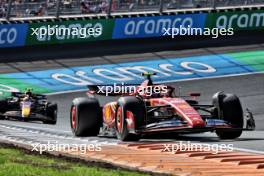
52, 113
88, 114
137, 107
233, 114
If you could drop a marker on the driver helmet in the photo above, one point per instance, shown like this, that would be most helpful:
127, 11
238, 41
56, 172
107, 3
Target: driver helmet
28, 92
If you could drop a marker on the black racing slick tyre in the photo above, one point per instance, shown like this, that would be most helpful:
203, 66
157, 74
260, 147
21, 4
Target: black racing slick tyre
232, 113
3, 108
137, 107
51, 112
86, 117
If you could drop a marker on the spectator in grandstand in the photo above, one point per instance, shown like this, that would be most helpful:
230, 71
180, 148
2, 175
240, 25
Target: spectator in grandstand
95, 9
41, 11
94, 6
104, 6
151, 3
67, 3
2, 8
114, 5
131, 7
31, 13
222, 2
2, 11
3, 2
18, 2
51, 4
85, 7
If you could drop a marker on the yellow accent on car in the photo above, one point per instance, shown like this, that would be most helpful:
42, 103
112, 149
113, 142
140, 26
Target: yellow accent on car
25, 112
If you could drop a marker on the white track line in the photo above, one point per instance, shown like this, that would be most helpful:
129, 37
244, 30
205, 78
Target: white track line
249, 150
67, 92
214, 77
95, 140
37, 128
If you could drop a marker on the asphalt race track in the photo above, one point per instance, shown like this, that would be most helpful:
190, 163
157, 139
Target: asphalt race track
250, 89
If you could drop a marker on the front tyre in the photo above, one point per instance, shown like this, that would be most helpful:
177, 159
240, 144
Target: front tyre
129, 106
86, 117
3, 108
232, 112
51, 112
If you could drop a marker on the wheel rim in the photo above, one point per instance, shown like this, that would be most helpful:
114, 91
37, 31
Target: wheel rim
73, 119
119, 120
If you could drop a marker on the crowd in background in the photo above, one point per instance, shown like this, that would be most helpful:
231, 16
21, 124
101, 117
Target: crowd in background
22, 8
25, 8
94, 7
3, 8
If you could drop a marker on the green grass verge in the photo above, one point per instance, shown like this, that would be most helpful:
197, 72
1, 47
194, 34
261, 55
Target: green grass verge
16, 162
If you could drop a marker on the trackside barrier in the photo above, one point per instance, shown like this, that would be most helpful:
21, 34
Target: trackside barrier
19, 35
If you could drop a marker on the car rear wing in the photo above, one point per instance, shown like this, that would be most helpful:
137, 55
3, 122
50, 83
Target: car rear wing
20, 95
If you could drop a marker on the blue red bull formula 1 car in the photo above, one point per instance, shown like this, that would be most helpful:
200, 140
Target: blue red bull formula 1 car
28, 107
139, 113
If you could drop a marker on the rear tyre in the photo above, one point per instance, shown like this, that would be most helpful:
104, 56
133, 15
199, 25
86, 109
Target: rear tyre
137, 108
86, 117
3, 108
51, 112
232, 112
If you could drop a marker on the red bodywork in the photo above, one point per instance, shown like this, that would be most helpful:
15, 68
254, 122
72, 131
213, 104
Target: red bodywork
179, 106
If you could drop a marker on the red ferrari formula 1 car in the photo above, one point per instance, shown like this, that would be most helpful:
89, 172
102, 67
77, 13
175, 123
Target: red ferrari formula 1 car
147, 111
